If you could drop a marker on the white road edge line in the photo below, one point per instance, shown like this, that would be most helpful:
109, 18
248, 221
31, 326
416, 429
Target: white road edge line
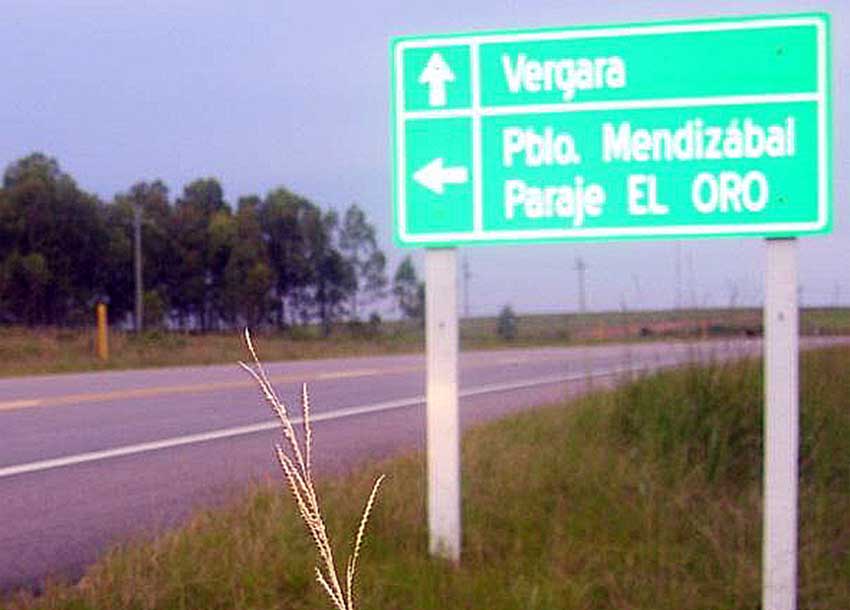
190, 439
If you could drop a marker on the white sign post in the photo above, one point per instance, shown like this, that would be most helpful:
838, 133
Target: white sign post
781, 427
443, 427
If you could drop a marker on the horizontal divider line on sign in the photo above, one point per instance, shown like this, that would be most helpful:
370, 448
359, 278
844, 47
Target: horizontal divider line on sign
649, 104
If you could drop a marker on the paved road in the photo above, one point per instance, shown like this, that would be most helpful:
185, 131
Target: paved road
88, 460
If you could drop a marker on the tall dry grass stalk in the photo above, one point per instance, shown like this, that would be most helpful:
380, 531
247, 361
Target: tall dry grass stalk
296, 461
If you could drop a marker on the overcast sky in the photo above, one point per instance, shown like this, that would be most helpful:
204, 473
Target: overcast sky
263, 93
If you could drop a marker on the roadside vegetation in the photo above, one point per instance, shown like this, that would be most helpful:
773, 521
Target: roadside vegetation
643, 497
312, 279
39, 351
206, 263
26, 351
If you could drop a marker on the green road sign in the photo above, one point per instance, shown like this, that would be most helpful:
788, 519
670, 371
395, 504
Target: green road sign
650, 131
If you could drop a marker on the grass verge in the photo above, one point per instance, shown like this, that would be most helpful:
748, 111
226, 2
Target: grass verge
25, 351
644, 497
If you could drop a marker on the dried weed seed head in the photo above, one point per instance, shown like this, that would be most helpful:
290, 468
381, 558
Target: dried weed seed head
296, 465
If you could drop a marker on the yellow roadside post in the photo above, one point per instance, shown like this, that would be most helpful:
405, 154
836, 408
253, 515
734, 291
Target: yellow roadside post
102, 341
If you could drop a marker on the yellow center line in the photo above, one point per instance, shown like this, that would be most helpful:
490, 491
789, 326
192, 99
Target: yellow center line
203, 388
172, 390
19, 404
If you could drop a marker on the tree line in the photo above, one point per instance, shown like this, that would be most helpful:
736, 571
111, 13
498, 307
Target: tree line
274, 260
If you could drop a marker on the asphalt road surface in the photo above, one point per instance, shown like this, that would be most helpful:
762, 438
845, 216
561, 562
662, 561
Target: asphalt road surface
90, 460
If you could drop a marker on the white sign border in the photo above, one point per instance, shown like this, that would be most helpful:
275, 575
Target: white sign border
478, 234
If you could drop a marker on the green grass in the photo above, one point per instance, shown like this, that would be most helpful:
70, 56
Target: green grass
646, 497
38, 351
26, 351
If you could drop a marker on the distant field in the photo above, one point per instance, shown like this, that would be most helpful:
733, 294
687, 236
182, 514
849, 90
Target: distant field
647, 497
31, 351
26, 351
685, 323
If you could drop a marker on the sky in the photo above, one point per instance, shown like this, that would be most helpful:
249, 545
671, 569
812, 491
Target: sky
268, 93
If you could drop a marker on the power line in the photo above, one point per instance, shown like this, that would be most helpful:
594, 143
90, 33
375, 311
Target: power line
137, 256
581, 268
466, 277
678, 273
692, 292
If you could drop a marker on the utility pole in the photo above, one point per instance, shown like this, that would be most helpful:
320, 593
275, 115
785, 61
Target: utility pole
732, 288
638, 290
137, 259
581, 267
692, 294
466, 277
678, 273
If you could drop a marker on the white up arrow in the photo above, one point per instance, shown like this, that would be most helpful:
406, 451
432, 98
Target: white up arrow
435, 75
434, 176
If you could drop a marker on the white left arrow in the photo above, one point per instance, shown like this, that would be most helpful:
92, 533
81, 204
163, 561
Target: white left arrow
436, 74
435, 177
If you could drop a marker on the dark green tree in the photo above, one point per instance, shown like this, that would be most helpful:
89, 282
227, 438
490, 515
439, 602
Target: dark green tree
200, 234
333, 279
160, 261
283, 215
409, 291
359, 248
53, 241
506, 325
62, 250
248, 277
26, 280
115, 272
